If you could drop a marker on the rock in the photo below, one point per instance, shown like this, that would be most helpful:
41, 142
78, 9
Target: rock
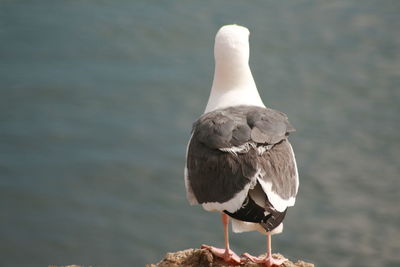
204, 258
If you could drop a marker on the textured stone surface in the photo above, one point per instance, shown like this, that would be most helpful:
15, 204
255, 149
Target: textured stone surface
203, 258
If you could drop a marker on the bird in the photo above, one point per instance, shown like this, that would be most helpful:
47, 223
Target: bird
239, 161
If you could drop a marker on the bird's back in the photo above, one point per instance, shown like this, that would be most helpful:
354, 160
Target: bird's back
234, 154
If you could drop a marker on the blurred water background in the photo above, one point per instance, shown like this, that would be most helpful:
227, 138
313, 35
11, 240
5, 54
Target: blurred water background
96, 104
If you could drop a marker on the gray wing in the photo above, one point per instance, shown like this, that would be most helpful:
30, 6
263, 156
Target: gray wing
233, 149
235, 126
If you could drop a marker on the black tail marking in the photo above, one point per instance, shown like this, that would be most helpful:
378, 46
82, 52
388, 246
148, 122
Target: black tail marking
251, 212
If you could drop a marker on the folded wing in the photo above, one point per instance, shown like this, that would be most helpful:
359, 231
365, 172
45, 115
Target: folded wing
240, 161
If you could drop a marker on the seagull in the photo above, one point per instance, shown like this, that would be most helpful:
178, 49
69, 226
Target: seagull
239, 161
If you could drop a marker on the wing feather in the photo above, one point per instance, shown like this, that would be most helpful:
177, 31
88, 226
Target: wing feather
233, 149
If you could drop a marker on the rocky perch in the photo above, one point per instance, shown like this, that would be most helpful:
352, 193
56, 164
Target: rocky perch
204, 258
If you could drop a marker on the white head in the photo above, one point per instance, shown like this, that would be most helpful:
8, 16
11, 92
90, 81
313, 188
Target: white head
233, 82
232, 45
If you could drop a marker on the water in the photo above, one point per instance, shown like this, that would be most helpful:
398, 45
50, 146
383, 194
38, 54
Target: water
96, 104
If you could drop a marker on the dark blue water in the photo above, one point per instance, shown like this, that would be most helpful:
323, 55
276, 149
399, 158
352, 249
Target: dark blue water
96, 104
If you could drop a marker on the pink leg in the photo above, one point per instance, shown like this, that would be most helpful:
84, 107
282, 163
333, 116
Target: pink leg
268, 260
227, 254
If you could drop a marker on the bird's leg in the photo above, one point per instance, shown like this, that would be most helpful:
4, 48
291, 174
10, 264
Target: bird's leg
268, 260
227, 254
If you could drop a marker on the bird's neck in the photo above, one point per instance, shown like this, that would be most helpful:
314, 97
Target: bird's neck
233, 85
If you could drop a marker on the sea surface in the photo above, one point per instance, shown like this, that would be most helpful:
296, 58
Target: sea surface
97, 99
